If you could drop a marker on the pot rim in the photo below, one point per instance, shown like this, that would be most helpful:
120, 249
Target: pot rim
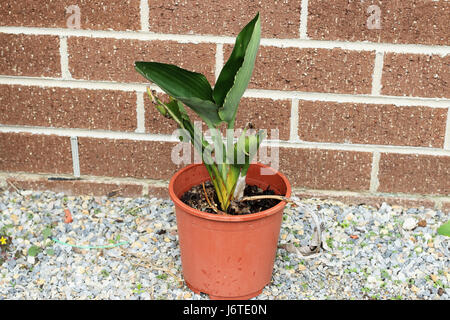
228, 218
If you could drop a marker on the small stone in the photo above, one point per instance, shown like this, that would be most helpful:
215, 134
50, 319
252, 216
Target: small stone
414, 289
409, 224
430, 214
166, 239
301, 267
14, 218
81, 269
433, 277
31, 260
422, 223
137, 245
187, 296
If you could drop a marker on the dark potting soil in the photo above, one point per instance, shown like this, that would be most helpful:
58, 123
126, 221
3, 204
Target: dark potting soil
195, 198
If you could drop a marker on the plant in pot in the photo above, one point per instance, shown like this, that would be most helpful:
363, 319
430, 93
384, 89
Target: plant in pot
226, 252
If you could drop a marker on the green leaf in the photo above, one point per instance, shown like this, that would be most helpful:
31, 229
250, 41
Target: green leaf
46, 233
33, 251
50, 252
207, 110
444, 229
191, 88
237, 71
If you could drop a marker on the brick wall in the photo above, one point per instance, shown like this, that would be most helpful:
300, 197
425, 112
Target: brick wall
360, 91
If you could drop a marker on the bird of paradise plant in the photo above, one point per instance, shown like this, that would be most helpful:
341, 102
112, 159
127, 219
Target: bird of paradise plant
227, 163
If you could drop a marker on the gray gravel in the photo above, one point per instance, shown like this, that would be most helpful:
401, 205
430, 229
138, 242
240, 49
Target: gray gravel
375, 253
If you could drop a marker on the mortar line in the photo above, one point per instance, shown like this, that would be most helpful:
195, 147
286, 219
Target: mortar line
377, 73
374, 182
447, 132
293, 134
344, 193
251, 93
140, 113
64, 58
303, 29
348, 98
102, 134
144, 15
219, 59
190, 38
75, 156
85, 178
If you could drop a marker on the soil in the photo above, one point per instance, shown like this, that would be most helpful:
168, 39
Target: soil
195, 198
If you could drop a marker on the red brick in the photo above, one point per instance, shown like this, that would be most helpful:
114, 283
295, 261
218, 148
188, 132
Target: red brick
416, 75
371, 200
104, 15
113, 59
155, 122
319, 70
326, 169
279, 19
35, 153
446, 207
79, 187
418, 21
127, 158
158, 192
371, 124
29, 55
67, 108
265, 114
262, 113
413, 173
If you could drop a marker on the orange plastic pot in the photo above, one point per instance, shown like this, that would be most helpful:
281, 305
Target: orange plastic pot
227, 256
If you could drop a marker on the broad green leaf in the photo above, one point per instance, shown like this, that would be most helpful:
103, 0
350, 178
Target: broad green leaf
237, 71
207, 110
33, 251
47, 233
191, 88
444, 229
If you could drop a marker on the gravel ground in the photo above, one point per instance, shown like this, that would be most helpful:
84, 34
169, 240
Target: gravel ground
376, 253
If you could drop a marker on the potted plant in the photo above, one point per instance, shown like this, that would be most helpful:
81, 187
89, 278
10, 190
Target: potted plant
224, 253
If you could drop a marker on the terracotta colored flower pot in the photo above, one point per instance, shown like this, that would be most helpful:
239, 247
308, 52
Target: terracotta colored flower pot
227, 257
